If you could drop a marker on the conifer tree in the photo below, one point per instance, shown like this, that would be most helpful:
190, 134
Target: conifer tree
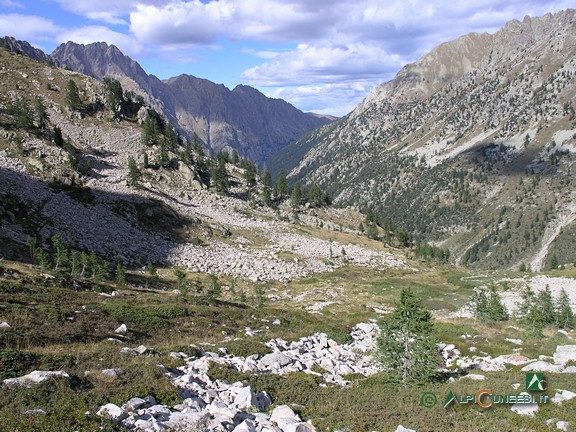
564, 313
134, 173
219, 176
73, 96
281, 187
406, 344
41, 112
296, 198
120, 273
61, 255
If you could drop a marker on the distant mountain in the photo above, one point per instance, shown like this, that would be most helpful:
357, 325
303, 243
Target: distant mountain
24, 47
472, 146
242, 119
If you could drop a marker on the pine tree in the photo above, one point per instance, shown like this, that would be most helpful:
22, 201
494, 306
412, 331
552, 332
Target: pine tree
61, 254
250, 174
134, 173
215, 290
406, 344
162, 157
120, 273
527, 302
73, 96
281, 187
296, 198
41, 112
564, 313
546, 304
219, 176
181, 282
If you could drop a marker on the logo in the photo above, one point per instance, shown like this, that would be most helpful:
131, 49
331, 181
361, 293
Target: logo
428, 400
535, 381
449, 399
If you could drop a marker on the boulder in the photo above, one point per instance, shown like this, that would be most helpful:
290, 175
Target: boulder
193, 421
563, 425
527, 409
542, 366
246, 426
562, 395
245, 399
123, 329
113, 412
283, 416
33, 378
570, 369
564, 354
112, 373
4, 324
274, 361
134, 404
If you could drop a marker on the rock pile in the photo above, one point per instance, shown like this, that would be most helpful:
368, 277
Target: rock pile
219, 406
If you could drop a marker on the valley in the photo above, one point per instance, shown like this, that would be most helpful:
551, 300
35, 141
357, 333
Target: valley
154, 275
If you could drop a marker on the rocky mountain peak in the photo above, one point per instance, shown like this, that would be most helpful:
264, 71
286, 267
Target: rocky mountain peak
242, 119
442, 147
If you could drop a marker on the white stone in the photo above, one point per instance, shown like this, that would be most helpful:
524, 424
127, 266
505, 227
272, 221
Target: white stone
182, 421
283, 416
570, 369
474, 377
113, 412
112, 373
246, 426
4, 324
245, 399
564, 354
542, 366
514, 341
528, 409
401, 428
563, 395
34, 377
134, 404
123, 329
563, 425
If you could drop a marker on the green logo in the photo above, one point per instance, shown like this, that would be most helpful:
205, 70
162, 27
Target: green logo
428, 400
534, 381
449, 399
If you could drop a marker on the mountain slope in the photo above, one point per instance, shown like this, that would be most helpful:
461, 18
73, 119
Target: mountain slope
471, 146
241, 119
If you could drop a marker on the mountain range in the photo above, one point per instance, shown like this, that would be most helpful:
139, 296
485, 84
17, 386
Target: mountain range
471, 147
242, 119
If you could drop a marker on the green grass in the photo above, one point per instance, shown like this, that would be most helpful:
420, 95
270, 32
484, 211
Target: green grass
54, 327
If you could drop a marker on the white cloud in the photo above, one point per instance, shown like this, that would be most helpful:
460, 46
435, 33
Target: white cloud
182, 23
324, 63
28, 27
11, 4
333, 99
89, 34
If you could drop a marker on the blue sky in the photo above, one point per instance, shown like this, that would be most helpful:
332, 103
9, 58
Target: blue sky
320, 55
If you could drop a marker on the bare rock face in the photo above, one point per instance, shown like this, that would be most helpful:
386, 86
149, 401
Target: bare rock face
242, 119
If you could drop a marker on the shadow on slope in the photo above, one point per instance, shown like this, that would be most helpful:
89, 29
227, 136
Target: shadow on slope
114, 225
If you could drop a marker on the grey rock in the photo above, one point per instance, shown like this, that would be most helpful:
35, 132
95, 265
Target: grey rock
134, 404
34, 377
283, 416
564, 354
542, 366
113, 412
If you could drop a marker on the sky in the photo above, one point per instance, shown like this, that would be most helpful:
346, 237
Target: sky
323, 56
